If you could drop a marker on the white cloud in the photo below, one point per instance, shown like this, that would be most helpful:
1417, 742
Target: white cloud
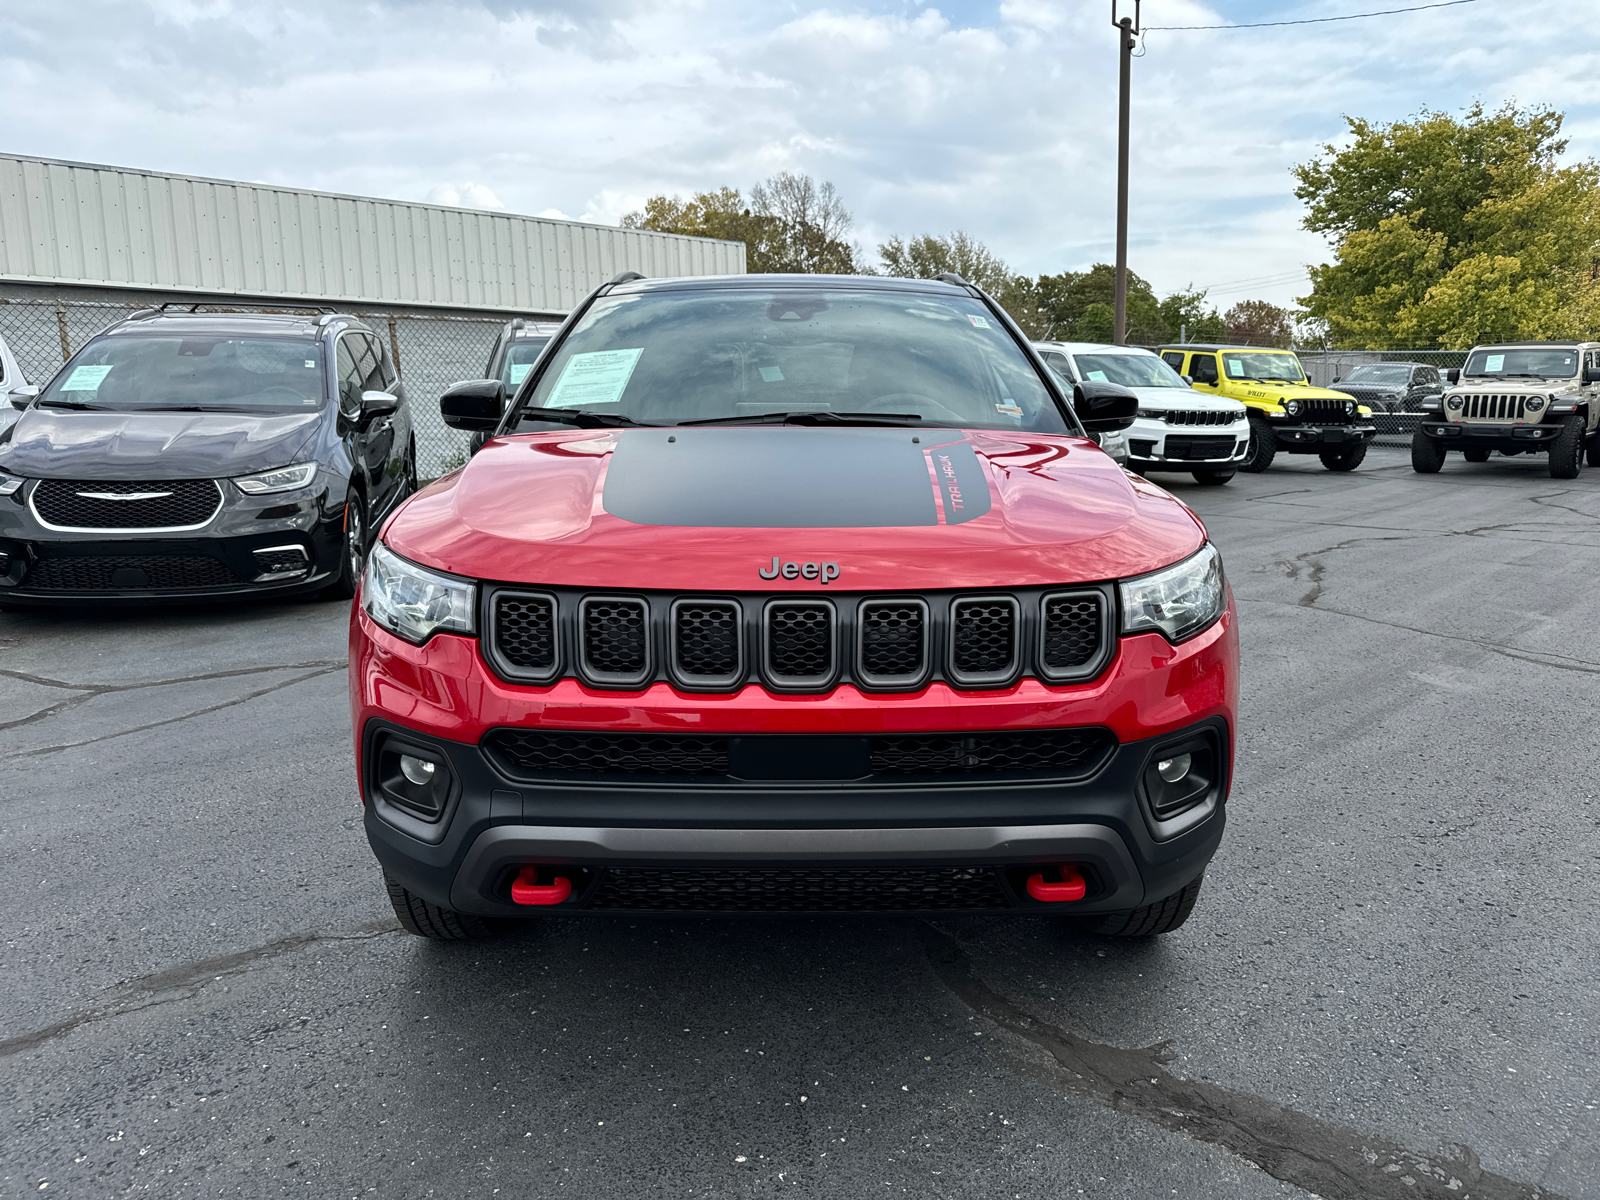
995, 119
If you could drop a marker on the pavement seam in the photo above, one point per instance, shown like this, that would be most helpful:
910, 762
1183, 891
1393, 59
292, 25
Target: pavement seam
1330, 1160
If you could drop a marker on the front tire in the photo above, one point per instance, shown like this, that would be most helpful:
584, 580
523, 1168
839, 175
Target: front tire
1592, 451
1345, 460
1213, 478
1475, 456
1149, 921
1427, 455
354, 556
1263, 446
427, 920
1566, 452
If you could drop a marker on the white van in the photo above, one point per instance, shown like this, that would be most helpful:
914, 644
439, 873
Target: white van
1178, 428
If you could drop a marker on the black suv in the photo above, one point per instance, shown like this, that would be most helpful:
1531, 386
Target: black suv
183, 455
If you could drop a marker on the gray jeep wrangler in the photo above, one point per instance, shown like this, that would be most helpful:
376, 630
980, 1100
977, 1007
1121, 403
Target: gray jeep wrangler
1517, 398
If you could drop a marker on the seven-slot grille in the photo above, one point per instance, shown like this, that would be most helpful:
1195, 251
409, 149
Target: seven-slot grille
1496, 408
1201, 417
1327, 412
126, 504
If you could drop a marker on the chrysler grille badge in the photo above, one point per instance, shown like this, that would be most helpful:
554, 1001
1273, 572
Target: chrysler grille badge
827, 572
123, 495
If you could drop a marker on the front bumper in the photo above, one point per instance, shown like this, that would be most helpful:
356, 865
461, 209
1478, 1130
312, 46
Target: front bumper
1491, 436
1320, 439
444, 698
1157, 446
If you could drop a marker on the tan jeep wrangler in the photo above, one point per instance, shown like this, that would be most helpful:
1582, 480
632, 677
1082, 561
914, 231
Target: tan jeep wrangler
1517, 398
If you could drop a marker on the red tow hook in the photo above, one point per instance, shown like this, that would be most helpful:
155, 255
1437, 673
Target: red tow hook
528, 890
1071, 887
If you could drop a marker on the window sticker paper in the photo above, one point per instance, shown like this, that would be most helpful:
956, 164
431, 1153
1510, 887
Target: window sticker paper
1495, 362
311, 362
85, 379
519, 372
1011, 410
1098, 376
1236, 366
772, 374
979, 322
598, 377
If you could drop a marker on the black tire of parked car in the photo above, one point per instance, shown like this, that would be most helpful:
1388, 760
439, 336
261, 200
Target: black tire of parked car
1566, 452
1592, 451
1213, 478
430, 921
1345, 460
1475, 455
1427, 455
1263, 446
354, 558
1161, 917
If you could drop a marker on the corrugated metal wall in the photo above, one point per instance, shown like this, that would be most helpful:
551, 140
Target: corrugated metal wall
74, 223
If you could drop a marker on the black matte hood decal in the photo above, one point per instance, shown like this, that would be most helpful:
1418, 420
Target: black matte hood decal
794, 478
57, 444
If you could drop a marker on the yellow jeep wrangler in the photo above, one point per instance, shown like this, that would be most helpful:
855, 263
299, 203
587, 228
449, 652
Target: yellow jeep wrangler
1287, 413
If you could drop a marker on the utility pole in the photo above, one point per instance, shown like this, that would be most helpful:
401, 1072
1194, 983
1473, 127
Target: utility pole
1128, 29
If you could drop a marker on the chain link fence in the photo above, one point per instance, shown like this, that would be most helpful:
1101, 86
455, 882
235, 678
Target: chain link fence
1325, 367
431, 351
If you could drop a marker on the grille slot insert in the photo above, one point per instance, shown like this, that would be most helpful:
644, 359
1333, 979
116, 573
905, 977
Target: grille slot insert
1060, 753
149, 505
1188, 416
799, 644
984, 641
614, 633
530, 753
524, 635
1073, 635
892, 643
708, 643
129, 573
845, 889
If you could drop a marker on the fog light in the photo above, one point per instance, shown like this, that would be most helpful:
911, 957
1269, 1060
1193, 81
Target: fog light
1170, 769
417, 770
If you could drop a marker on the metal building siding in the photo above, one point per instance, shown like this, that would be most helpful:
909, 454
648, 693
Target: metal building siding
76, 223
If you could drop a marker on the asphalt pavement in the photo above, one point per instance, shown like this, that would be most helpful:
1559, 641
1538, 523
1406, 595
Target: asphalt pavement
1387, 988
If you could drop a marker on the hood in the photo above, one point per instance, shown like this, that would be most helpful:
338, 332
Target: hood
1383, 390
1270, 392
1517, 387
62, 444
707, 509
1186, 399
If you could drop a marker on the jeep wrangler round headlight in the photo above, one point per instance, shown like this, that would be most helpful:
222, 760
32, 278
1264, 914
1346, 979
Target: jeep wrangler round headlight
1453, 402
413, 602
1178, 601
1292, 407
1535, 403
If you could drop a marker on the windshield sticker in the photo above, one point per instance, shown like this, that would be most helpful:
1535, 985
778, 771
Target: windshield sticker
85, 379
979, 322
519, 372
311, 363
1011, 410
1097, 376
598, 377
1495, 362
1235, 366
772, 374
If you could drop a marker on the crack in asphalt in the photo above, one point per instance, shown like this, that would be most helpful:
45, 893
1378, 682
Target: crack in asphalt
1330, 1160
185, 982
199, 712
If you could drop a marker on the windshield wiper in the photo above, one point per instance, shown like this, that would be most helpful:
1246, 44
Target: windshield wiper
1278, 379
228, 408
583, 418
74, 404
825, 416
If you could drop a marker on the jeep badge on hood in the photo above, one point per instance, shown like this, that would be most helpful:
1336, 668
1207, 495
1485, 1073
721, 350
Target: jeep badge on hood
827, 571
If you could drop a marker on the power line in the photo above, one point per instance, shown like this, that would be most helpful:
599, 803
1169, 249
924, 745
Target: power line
1388, 12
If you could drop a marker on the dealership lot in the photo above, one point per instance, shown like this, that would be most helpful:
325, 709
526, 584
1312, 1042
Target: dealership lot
204, 990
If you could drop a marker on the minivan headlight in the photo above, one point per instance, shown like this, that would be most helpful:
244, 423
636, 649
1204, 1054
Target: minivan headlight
413, 602
284, 479
1178, 601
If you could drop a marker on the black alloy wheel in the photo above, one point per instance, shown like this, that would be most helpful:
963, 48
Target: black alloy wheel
1263, 446
354, 558
1427, 455
1567, 451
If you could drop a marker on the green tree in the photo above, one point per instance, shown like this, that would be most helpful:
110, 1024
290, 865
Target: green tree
1081, 308
929, 256
1448, 232
1257, 323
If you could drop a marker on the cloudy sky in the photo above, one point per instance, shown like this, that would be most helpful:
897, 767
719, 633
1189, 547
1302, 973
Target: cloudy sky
995, 118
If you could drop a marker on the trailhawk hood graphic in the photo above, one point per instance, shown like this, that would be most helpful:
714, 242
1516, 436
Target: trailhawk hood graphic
63, 444
697, 509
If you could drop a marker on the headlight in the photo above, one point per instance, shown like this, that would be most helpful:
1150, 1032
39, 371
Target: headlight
1150, 414
1453, 402
1535, 403
8, 484
1179, 601
1349, 406
413, 602
1292, 407
284, 479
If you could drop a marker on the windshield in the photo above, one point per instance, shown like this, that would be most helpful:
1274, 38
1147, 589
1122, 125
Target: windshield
1379, 373
1130, 370
1551, 364
519, 360
1258, 364
208, 372
747, 353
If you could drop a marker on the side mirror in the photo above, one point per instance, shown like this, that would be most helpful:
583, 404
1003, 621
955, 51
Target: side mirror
378, 404
1452, 375
1104, 407
1336, 378
474, 405
1189, 379
1591, 374
23, 396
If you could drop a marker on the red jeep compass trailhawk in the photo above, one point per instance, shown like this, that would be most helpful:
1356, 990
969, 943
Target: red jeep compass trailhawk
792, 593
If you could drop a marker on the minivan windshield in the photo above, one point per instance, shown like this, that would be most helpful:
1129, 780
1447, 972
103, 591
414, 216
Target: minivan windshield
754, 354
1549, 364
1130, 370
1379, 373
206, 372
519, 360
1278, 367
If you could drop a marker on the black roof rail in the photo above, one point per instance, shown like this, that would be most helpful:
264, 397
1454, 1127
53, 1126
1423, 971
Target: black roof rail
625, 277
193, 306
951, 277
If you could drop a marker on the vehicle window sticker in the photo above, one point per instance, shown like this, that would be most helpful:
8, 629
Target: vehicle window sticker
977, 321
311, 363
519, 372
771, 374
598, 377
1097, 376
85, 379
1235, 366
1494, 362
